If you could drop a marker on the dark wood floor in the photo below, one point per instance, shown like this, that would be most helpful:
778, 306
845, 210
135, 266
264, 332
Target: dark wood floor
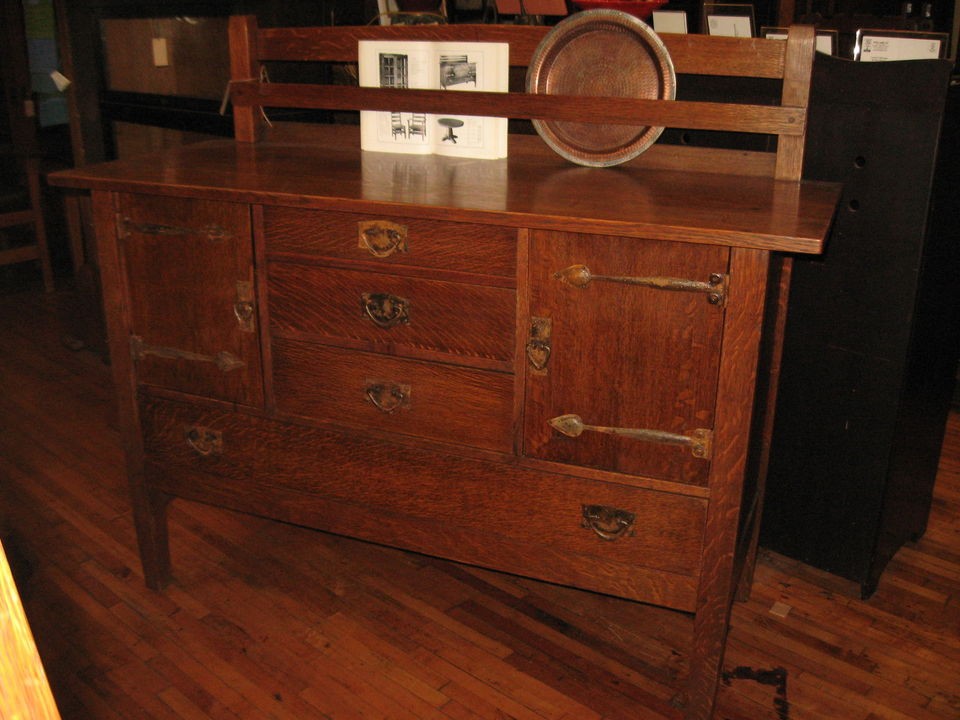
267, 620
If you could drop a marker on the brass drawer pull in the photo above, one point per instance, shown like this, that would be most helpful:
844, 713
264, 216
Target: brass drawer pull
204, 441
608, 523
700, 442
224, 360
538, 346
388, 397
385, 310
715, 288
382, 238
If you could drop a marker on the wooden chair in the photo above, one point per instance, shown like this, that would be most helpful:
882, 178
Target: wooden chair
21, 206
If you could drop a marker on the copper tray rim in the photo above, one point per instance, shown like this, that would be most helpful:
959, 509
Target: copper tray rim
575, 23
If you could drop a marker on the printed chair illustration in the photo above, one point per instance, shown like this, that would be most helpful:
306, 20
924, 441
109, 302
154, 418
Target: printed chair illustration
417, 125
396, 125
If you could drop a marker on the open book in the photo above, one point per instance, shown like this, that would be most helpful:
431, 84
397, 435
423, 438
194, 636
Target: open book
434, 65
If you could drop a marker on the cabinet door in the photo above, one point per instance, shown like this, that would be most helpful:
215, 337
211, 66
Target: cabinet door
190, 281
623, 353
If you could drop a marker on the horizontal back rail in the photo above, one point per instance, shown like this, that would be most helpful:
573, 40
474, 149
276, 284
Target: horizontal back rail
699, 55
768, 119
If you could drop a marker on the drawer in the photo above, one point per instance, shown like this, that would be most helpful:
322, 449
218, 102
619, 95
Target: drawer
487, 513
394, 395
461, 247
389, 313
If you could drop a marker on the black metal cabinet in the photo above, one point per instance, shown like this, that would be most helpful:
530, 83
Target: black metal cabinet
870, 354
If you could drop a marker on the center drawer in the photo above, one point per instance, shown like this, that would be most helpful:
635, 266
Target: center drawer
394, 396
449, 246
388, 313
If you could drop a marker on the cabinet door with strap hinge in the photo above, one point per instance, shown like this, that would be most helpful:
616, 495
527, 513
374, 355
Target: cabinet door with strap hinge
192, 303
623, 353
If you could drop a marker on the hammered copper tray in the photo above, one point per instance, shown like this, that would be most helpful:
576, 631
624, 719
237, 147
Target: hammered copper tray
601, 53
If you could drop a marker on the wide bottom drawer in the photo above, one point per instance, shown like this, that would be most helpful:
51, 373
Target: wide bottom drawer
634, 543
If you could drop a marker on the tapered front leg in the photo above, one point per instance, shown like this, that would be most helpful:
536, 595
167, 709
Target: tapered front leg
150, 518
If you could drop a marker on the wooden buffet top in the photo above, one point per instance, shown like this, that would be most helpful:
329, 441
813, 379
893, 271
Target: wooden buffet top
533, 188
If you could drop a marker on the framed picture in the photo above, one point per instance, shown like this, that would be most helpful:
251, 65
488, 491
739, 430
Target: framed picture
728, 20
886, 45
670, 21
826, 39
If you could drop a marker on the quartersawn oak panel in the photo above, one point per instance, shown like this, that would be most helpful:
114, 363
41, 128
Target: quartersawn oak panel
671, 341
447, 403
447, 246
472, 511
470, 324
183, 260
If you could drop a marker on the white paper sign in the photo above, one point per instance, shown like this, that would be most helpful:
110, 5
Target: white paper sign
874, 48
729, 26
670, 21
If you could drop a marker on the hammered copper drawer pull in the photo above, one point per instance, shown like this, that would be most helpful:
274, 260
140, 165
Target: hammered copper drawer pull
699, 441
388, 397
607, 522
203, 440
385, 310
382, 238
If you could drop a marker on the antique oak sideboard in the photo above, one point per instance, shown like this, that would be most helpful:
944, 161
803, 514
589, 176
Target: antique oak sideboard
550, 370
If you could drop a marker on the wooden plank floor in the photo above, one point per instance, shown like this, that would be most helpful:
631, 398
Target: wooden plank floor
267, 620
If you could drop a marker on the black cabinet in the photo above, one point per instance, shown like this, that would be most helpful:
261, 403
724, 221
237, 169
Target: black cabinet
870, 354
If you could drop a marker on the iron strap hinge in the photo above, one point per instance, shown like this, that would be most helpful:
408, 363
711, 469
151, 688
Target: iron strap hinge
715, 287
700, 441
224, 360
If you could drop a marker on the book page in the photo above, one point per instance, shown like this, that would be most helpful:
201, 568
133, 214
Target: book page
453, 67
466, 67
